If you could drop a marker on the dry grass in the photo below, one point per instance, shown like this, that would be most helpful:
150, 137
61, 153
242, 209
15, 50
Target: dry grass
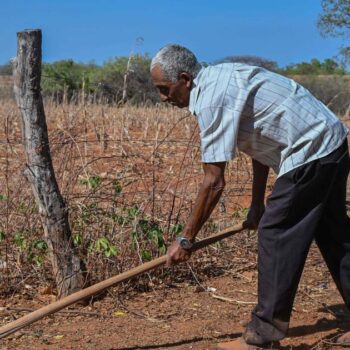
129, 176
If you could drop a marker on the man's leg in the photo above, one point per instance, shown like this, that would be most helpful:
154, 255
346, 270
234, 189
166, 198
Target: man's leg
285, 233
333, 237
294, 211
333, 233
293, 214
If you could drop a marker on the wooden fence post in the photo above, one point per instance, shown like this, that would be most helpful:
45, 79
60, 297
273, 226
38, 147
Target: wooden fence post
68, 269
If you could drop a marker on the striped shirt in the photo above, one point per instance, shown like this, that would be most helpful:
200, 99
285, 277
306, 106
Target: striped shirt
271, 118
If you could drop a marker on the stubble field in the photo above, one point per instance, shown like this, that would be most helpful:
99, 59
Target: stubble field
130, 176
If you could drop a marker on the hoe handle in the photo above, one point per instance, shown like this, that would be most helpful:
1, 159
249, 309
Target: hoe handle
101, 286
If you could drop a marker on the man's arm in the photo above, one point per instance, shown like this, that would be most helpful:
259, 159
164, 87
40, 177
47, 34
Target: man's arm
257, 207
209, 194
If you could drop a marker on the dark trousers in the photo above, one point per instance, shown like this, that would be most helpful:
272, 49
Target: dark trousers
306, 203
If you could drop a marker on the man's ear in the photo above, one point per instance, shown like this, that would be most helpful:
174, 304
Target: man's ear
187, 78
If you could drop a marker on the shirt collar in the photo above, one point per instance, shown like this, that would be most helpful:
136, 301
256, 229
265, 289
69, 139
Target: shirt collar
195, 91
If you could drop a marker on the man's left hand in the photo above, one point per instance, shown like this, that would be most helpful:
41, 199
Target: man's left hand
176, 254
254, 215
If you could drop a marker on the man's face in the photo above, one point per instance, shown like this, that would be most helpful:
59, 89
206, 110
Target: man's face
177, 94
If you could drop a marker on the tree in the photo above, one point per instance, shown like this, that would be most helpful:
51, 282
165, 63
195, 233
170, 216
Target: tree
252, 60
6, 69
66, 77
315, 67
335, 20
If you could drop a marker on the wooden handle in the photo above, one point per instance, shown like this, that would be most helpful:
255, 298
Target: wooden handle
101, 286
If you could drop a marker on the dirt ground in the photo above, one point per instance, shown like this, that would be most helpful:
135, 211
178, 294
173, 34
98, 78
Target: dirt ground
196, 313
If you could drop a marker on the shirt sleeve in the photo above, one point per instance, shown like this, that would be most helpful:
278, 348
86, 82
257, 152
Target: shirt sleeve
218, 126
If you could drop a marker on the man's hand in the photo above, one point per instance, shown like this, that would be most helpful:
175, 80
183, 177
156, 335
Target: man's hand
254, 215
176, 254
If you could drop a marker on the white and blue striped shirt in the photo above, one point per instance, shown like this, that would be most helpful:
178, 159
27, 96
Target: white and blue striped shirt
271, 118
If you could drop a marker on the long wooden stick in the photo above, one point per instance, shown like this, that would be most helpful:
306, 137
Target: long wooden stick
101, 286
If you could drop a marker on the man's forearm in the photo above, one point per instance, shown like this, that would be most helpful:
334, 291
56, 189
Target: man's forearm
207, 198
260, 174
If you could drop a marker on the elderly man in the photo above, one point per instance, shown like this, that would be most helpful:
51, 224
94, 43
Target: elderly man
281, 126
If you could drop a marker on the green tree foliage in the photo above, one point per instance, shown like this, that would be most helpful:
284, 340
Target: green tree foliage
251, 60
70, 79
335, 19
315, 67
6, 69
109, 80
67, 77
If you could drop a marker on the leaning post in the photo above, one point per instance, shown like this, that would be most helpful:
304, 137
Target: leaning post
68, 269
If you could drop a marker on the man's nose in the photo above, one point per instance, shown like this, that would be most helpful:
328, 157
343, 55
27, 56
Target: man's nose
164, 98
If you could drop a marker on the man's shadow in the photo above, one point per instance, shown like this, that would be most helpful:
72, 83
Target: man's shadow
341, 323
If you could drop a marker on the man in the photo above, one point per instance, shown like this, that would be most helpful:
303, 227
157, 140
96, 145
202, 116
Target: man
281, 126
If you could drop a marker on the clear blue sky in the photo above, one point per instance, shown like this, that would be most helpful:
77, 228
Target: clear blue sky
282, 30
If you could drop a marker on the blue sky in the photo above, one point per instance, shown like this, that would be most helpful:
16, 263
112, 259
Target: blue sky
281, 30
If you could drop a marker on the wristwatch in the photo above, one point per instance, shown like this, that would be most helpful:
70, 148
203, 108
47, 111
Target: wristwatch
184, 242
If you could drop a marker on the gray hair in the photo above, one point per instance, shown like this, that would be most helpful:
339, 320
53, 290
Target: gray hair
175, 59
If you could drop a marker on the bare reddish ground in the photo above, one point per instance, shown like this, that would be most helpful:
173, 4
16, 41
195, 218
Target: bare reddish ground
185, 316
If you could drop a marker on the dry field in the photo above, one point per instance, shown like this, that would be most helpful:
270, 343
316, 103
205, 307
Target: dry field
130, 176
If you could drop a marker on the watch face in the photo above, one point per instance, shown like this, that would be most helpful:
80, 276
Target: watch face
185, 243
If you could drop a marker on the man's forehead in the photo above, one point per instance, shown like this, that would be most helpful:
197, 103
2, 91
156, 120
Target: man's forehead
158, 75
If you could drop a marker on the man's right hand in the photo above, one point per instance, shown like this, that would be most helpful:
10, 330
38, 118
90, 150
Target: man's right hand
176, 254
255, 213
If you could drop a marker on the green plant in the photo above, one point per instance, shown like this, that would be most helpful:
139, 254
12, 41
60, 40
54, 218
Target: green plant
240, 213
88, 212
133, 212
146, 255
176, 229
2, 236
35, 250
20, 241
93, 182
38, 333
149, 237
103, 245
78, 239
27, 208
117, 187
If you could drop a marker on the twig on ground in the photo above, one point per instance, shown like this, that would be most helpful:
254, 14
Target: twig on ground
241, 302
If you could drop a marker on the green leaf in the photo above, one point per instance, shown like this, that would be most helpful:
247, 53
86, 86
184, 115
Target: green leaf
146, 255
38, 333
39, 260
162, 250
117, 187
92, 182
40, 244
112, 251
2, 236
3, 197
20, 240
78, 239
133, 212
102, 244
177, 229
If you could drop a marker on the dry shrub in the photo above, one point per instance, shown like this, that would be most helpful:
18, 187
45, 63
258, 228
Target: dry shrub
129, 176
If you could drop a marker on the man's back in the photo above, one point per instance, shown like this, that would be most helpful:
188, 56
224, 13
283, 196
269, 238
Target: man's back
270, 117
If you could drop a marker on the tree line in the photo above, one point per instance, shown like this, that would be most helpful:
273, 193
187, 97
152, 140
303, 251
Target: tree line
124, 79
